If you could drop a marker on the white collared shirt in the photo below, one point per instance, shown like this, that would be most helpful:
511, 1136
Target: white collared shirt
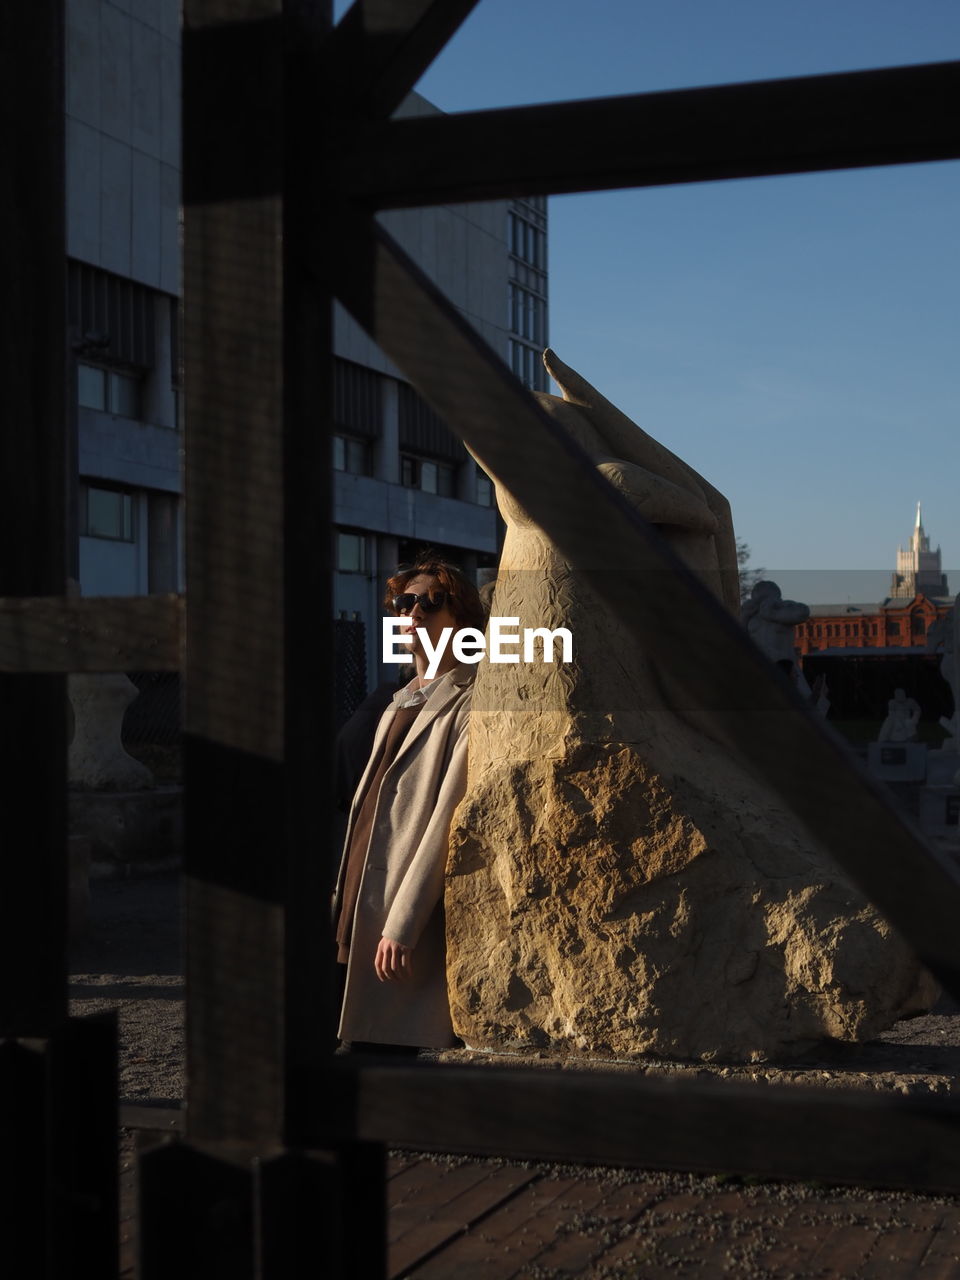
409, 696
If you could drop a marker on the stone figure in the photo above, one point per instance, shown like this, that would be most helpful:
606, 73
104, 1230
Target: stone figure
770, 621
98, 760
619, 883
903, 716
945, 635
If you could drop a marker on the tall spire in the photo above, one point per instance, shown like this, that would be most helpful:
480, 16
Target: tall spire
918, 568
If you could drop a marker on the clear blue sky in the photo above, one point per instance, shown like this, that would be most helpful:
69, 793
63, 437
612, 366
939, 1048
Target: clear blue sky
794, 339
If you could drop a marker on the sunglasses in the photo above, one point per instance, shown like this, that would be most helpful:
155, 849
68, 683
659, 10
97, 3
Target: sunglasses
429, 603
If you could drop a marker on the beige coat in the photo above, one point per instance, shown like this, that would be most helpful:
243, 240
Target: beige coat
401, 893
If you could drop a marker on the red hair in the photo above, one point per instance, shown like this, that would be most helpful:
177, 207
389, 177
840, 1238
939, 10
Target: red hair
462, 596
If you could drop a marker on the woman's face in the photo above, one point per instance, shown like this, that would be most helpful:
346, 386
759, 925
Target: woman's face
433, 622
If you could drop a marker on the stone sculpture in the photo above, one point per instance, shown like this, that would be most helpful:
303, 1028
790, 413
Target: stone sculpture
903, 716
98, 760
945, 635
619, 883
770, 621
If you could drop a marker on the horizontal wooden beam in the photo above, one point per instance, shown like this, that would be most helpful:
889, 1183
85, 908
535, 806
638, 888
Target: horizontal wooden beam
617, 1119
895, 116
110, 633
152, 1119
714, 675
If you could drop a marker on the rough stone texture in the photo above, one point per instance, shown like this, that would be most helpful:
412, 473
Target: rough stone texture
619, 883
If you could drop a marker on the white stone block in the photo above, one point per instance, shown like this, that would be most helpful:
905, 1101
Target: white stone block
147, 217
115, 73
115, 206
145, 88
940, 810
83, 192
943, 767
897, 761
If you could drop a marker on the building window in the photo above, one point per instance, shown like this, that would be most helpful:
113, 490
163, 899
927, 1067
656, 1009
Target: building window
893, 628
428, 474
352, 455
357, 398
106, 513
108, 390
527, 363
484, 490
351, 552
527, 315
527, 242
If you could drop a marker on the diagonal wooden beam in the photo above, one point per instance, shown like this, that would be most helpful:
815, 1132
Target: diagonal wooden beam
54, 634
380, 49
895, 116
717, 677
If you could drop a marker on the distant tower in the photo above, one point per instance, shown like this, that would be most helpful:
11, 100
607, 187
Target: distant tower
918, 568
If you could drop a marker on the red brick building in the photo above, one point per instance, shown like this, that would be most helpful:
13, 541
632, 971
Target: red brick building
918, 597
865, 651
889, 624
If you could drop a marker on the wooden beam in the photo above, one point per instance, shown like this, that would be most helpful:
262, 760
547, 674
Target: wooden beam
715, 676
380, 49
230, 130
618, 1119
257, 742
55, 634
896, 116
33, 485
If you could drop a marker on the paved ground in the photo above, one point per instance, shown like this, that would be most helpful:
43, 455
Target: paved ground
464, 1218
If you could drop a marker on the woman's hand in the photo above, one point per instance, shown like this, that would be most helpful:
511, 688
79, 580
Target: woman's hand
393, 961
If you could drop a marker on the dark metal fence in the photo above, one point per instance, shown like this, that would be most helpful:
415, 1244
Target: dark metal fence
350, 667
154, 717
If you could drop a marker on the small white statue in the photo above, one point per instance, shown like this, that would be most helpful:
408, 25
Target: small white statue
770, 621
945, 635
903, 715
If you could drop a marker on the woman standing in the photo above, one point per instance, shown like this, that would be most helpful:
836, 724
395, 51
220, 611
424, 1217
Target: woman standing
389, 901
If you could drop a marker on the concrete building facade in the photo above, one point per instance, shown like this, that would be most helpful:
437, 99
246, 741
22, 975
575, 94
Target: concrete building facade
122, 220
402, 480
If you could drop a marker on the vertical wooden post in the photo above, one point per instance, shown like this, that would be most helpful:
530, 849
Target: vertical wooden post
259, 665
57, 1078
33, 772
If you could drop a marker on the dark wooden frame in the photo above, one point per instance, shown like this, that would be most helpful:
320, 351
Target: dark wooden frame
289, 151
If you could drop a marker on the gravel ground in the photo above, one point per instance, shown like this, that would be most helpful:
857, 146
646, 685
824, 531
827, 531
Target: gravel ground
130, 960
689, 1226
